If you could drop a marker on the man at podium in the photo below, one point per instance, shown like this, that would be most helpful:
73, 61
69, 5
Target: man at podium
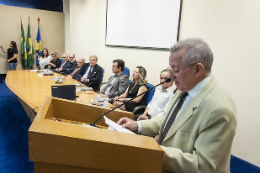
197, 132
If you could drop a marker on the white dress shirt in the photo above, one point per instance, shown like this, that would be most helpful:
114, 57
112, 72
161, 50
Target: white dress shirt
191, 94
159, 100
89, 70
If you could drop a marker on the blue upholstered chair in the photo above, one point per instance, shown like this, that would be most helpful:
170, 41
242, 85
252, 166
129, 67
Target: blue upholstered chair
148, 97
126, 71
101, 79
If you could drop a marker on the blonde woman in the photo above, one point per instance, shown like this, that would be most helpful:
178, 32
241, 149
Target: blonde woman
137, 87
55, 62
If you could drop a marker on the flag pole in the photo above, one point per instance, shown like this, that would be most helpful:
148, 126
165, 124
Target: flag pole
38, 21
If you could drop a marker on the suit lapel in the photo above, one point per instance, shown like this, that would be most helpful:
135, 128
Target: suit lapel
116, 80
187, 112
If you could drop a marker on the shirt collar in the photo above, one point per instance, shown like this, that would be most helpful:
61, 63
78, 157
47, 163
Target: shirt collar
118, 74
195, 90
169, 89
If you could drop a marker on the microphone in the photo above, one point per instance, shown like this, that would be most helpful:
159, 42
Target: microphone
59, 80
94, 123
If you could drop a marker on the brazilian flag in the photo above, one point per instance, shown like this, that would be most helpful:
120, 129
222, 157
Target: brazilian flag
29, 48
38, 47
23, 48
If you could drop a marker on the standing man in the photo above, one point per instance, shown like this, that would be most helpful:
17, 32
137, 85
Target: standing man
118, 83
160, 99
90, 73
198, 130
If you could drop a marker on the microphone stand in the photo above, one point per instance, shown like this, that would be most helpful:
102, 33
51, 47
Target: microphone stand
94, 123
58, 81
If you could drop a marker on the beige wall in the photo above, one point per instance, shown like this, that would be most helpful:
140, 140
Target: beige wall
52, 30
230, 27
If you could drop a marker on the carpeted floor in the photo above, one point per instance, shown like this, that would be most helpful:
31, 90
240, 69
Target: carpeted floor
14, 127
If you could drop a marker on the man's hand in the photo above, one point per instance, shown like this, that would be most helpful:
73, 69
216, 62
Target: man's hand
128, 124
103, 95
142, 117
8, 60
59, 69
84, 80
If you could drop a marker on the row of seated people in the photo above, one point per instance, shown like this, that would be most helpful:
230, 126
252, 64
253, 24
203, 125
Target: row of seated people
118, 87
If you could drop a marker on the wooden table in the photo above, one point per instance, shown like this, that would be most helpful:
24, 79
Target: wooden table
32, 89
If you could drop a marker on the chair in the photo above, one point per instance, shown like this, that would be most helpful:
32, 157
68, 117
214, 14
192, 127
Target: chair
61, 60
101, 79
126, 71
148, 97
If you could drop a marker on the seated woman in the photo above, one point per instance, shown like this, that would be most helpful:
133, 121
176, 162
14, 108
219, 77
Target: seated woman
44, 59
137, 87
55, 62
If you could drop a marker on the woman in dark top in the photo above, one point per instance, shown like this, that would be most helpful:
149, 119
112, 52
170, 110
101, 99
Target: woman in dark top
11, 55
55, 62
137, 87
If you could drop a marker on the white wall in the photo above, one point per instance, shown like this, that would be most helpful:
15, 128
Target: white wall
230, 27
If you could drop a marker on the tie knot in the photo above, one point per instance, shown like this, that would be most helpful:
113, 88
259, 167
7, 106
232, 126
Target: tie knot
183, 95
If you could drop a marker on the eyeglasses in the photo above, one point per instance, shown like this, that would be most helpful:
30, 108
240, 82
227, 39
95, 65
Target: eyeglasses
71, 57
63, 57
53, 56
175, 71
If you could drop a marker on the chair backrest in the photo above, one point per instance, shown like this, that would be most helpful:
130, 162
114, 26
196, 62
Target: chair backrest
61, 60
149, 94
101, 79
126, 71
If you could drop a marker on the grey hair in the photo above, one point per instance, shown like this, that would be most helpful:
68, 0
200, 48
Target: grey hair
82, 60
95, 56
196, 51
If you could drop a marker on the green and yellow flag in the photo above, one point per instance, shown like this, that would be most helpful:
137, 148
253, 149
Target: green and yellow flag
23, 48
29, 48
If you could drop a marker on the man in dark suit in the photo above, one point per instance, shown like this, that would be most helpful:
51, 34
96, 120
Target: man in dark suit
90, 73
118, 83
65, 63
68, 64
75, 73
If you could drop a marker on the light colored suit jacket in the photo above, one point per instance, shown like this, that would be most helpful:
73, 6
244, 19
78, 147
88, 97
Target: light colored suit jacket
119, 86
200, 138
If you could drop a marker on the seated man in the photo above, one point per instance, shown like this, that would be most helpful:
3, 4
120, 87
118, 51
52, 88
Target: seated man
90, 73
197, 131
118, 83
75, 71
65, 63
160, 98
68, 65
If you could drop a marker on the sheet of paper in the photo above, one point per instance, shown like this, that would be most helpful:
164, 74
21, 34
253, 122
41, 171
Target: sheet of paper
114, 126
33, 70
39, 74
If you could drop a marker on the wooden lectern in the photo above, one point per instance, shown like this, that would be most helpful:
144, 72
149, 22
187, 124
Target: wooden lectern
66, 147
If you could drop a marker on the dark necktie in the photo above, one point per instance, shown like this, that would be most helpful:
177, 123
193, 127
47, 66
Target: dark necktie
173, 116
89, 72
